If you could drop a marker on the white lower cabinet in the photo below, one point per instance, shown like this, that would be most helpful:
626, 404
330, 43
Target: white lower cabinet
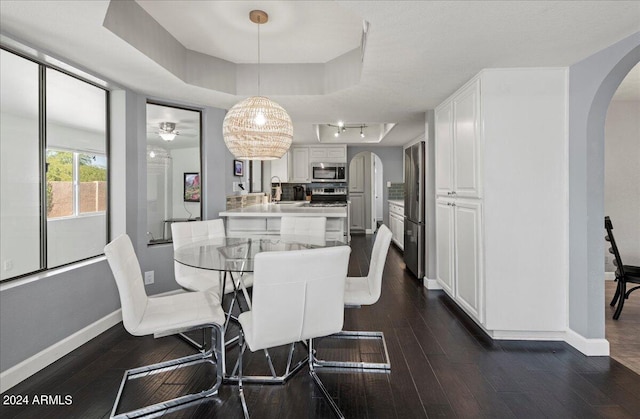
396, 224
336, 228
459, 252
357, 211
468, 256
444, 244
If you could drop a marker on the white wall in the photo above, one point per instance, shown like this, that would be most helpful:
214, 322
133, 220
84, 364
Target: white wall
525, 166
622, 180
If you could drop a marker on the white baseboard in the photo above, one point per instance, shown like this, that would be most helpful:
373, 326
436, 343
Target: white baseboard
431, 284
526, 335
35, 363
589, 347
609, 276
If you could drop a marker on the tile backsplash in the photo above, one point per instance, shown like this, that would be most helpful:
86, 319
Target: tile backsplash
396, 191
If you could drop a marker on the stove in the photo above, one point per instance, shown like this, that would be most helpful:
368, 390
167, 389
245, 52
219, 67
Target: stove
328, 197
328, 204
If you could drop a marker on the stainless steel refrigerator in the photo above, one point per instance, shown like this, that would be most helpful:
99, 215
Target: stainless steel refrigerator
414, 205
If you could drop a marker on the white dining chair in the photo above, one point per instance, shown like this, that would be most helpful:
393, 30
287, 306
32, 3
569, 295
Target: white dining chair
366, 290
195, 279
163, 316
297, 295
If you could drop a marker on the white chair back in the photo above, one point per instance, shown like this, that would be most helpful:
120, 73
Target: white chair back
191, 232
304, 226
194, 231
298, 295
126, 270
378, 259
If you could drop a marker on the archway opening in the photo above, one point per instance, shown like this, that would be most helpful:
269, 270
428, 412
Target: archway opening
622, 205
592, 84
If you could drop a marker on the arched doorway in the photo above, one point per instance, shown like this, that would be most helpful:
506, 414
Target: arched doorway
365, 192
592, 84
622, 205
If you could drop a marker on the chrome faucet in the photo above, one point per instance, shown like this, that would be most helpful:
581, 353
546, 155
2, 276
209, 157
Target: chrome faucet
276, 192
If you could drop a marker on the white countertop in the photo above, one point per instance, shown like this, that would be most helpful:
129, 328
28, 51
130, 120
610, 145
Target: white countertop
298, 209
399, 202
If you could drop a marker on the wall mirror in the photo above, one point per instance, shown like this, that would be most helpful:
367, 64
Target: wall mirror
174, 183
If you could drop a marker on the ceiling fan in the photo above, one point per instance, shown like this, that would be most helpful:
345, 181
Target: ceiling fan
168, 131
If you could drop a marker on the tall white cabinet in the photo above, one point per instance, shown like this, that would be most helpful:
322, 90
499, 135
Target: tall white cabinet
356, 193
500, 201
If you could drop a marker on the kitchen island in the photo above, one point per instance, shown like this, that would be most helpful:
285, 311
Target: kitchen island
265, 219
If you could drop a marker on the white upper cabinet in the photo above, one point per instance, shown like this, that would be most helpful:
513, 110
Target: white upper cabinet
356, 174
280, 168
300, 164
444, 148
302, 156
457, 144
466, 137
333, 154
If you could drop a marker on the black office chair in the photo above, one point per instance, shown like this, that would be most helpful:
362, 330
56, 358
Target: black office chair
624, 273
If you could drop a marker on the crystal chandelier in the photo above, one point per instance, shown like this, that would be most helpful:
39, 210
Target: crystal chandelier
257, 128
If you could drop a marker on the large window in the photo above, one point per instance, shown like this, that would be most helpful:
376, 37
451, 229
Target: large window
53, 160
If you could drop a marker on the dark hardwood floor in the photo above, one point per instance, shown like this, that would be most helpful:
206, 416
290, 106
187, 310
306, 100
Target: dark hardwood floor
623, 334
443, 365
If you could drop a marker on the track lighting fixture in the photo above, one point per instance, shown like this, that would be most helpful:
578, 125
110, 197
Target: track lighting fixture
342, 127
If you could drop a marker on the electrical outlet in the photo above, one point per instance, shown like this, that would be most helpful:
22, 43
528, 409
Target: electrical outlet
8, 264
148, 278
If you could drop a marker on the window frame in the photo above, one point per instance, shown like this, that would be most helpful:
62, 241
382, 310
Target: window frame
42, 145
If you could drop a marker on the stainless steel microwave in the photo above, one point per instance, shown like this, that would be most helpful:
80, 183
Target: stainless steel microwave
328, 172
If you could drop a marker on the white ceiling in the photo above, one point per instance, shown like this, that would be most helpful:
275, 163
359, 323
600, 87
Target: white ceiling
418, 52
208, 26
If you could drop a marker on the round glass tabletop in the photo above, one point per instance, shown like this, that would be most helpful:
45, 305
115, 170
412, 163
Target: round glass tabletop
236, 254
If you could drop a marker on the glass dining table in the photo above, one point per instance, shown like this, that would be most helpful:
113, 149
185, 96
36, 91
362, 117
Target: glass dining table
234, 258
237, 254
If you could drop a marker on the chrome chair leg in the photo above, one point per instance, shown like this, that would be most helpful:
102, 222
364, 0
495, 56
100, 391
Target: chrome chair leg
312, 372
243, 401
199, 346
274, 378
385, 365
216, 351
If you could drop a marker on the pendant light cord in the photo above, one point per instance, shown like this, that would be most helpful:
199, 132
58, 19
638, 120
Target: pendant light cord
259, 56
